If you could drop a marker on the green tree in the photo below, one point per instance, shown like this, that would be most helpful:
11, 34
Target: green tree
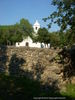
43, 36
64, 16
15, 38
55, 39
26, 27
69, 37
15, 33
4, 35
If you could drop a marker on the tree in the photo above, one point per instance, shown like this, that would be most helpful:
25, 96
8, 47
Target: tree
69, 37
16, 38
15, 33
64, 15
55, 39
26, 27
43, 36
4, 35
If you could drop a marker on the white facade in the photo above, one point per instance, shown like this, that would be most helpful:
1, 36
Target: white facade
29, 42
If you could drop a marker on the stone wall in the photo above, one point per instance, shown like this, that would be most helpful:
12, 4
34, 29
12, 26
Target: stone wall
40, 64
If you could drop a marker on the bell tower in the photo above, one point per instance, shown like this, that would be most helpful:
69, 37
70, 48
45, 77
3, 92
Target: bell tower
36, 26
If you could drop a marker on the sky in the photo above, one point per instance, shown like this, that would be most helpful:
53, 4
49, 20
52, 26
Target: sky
11, 11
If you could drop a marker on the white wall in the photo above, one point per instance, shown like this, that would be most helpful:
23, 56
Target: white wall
30, 42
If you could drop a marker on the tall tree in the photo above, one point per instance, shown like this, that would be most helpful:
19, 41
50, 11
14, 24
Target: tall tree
26, 27
15, 33
64, 15
54, 39
43, 36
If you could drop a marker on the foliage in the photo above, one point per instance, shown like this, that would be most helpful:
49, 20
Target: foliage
43, 36
26, 27
15, 33
17, 88
70, 37
61, 39
64, 16
54, 39
70, 88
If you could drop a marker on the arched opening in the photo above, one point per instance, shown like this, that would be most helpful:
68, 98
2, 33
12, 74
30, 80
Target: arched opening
27, 44
36, 28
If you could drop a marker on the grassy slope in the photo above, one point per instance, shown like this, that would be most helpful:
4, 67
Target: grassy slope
21, 88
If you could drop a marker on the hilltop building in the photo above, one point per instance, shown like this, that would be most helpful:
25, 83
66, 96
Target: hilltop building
28, 42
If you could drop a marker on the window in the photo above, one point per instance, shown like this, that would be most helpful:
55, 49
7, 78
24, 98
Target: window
36, 28
18, 43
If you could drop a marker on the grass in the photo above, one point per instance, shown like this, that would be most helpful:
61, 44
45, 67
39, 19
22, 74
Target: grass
22, 88
70, 91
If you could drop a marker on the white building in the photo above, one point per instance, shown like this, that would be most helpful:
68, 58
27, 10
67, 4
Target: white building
29, 42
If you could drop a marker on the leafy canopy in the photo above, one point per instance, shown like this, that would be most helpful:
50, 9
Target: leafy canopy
15, 33
43, 36
64, 15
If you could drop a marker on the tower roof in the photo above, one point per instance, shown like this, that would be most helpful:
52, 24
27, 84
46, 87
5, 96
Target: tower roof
36, 23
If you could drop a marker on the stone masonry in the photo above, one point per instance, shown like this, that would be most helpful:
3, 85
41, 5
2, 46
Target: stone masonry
39, 64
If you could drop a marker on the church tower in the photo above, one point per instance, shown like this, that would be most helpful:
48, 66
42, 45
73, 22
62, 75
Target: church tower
36, 26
